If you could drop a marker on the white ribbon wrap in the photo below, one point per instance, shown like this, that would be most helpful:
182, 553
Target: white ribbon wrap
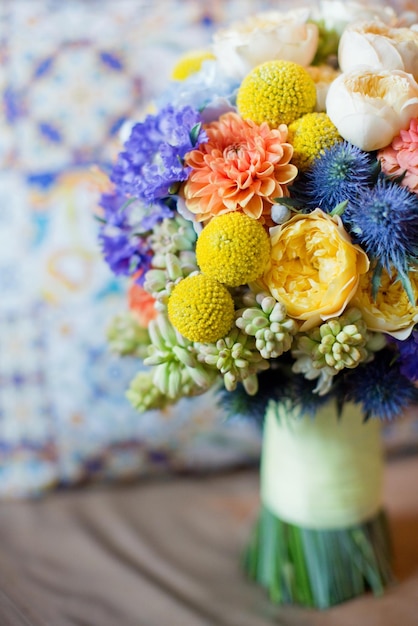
321, 472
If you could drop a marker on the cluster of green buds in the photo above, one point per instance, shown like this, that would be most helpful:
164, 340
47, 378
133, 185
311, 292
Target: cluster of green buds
127, 337
144, 395
338, 343
324, 376
176, 371
268, 323
236, 358
173, 243
168, 270
173, 235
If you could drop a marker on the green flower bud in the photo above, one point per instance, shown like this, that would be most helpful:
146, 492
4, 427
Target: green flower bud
144, 395
268, 323
172, 235
338, 343
175, 368
126, 336
171, 269
236, 357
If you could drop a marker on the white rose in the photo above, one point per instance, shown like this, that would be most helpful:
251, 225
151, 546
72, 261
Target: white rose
407, 18
370, 108
266, 37
379, 46
323, 76
337, 14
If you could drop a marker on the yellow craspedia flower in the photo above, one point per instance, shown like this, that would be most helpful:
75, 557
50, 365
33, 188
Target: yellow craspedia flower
201, 309
190, 63
233, 248
310, 136
276, 92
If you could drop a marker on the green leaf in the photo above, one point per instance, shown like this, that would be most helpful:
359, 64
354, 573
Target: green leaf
376, 169
406, 284
290, 203
376, 279
173, 189
133, 266
340, 208
194, 133
127, 203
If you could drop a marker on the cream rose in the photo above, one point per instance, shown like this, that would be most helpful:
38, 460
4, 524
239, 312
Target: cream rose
314, 268
337, 14
379, 47
391, 312
322, 75
266, 37
369, 108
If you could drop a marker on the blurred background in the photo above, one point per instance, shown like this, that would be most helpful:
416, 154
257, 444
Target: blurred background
71, 73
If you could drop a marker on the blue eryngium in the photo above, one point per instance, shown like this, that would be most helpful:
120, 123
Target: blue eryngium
384, 221
278, 384
380, 387
408, 356
335, 176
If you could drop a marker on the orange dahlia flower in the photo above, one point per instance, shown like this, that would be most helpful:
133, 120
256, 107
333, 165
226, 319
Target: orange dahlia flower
242, 167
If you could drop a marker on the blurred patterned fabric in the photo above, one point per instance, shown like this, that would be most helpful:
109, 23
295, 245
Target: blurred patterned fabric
71, 74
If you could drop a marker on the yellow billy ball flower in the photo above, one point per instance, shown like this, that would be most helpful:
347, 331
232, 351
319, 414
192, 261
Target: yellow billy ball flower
190, 63
201, 309
276, 92
233, 248
310, 136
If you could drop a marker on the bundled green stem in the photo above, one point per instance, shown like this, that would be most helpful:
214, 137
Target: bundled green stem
318, 568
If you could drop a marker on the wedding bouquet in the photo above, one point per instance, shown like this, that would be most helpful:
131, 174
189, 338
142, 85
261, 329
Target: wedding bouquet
266, 210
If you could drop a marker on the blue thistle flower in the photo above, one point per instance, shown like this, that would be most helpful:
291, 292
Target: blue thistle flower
384, 221
337, 175
279, 384
380, 387
408, 356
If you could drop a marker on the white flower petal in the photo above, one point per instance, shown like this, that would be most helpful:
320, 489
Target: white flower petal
369, 108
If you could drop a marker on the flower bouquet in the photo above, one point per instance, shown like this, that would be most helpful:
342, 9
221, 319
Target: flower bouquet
266, 210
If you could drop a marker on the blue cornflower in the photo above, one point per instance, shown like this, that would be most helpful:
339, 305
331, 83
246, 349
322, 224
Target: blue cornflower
113, 203
408, 356
122, 235
384, 220
151, 166
154, 214
140, 149
380, 387
124, 255
335, 176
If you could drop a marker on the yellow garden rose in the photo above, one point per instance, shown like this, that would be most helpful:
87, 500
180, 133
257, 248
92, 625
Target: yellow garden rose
314, 268
391, 312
